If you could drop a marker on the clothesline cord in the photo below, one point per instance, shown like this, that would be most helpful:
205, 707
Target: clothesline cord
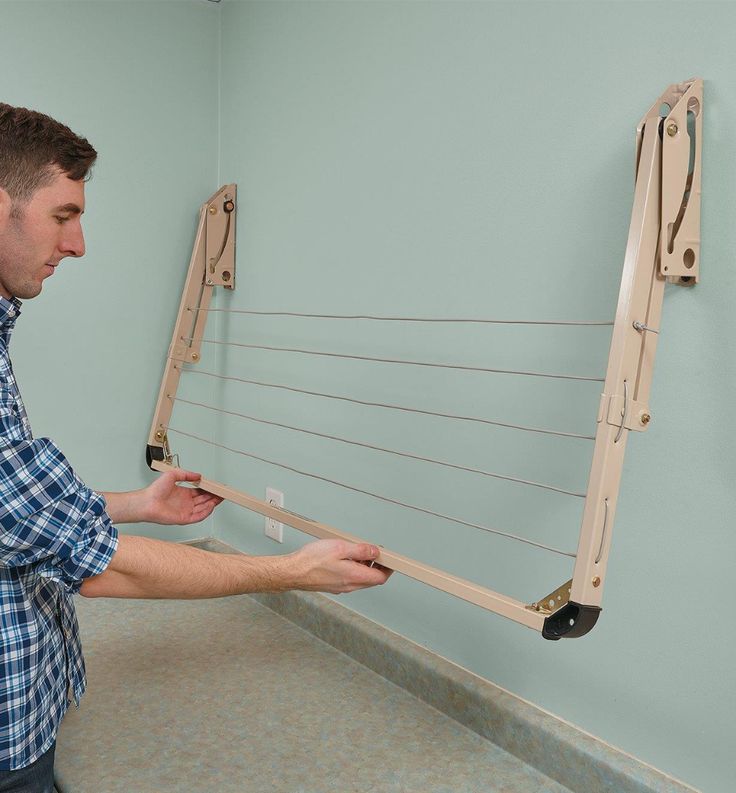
401, 319
389, 406
375, 495
393, 360
379, 448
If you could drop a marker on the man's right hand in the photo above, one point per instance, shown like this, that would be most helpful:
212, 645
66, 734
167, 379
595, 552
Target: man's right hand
337, 566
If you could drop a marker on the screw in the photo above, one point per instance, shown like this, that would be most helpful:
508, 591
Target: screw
645, 418
597, 581
213, 209
672, 130
160, 435
195, 356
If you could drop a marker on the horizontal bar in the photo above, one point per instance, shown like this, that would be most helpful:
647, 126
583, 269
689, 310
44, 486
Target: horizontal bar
473, 593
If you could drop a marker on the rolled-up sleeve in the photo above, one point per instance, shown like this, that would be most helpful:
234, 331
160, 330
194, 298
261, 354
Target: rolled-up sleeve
49, 518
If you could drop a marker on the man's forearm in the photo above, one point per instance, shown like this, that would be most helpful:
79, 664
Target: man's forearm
148, 568
125, 507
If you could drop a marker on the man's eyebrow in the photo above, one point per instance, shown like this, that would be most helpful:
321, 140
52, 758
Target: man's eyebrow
74, 209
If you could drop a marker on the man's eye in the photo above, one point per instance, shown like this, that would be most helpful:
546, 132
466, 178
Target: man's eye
60, 219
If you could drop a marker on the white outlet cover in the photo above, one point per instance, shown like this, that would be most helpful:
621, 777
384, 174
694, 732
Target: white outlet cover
272, 528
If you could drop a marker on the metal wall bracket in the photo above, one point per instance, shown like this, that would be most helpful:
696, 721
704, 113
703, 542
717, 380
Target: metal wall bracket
220, 238
681, 183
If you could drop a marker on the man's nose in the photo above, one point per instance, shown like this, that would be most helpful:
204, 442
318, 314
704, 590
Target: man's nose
72, 242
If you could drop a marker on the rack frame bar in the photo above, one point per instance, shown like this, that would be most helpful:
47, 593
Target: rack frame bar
664, 189
473, 593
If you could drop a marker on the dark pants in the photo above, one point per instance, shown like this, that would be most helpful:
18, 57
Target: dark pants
38, 777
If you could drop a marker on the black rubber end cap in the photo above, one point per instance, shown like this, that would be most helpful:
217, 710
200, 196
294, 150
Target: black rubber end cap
570, 622
154, 453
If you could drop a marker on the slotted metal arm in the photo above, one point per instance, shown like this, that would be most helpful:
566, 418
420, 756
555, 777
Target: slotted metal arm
663, 245
212, 264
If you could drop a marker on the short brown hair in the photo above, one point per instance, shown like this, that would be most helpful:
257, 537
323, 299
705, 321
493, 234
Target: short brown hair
34, 147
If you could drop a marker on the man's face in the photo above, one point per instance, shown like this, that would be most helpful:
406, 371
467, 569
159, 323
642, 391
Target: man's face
38, 235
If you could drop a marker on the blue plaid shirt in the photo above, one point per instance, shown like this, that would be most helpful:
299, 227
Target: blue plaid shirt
54, 532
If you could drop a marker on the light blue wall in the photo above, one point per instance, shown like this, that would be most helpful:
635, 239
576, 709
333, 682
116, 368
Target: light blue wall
470, 159
140, 81
476, 159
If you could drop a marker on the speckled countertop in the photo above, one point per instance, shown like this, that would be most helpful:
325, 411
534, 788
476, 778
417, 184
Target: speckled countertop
226, 696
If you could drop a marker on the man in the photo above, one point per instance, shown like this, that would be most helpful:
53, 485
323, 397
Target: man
57, 536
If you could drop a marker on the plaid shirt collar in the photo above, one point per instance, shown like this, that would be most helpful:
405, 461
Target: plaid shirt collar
9, 312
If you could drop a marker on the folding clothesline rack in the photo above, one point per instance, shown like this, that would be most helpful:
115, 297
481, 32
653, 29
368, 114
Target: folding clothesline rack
663, 246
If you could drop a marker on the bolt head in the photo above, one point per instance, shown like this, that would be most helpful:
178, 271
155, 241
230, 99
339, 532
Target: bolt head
645, 418
597, 581
213, 210
672, 130
195, 356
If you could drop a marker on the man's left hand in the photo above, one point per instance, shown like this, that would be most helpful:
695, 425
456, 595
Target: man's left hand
164, 501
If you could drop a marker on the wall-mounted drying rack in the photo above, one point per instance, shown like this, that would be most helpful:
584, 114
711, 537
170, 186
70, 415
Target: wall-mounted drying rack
663, 246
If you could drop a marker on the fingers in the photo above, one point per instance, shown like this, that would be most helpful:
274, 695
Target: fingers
200, 514
339, 566
365, 572
361, 552
372, 573
193, 506
181, 475
363, 577
203, 506
203, 497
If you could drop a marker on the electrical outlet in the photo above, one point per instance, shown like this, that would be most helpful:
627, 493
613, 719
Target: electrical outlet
274, 529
